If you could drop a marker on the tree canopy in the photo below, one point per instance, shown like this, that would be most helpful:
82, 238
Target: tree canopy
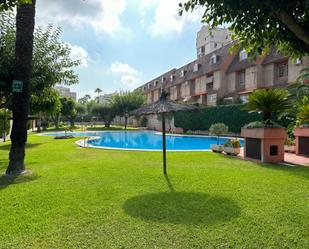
9, 4
52, 61
105, 112
260, 25
125, 102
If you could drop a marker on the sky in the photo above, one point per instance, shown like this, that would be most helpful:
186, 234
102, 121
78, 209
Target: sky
122, 44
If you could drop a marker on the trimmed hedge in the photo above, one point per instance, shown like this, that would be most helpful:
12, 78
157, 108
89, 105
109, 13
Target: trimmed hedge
234, 116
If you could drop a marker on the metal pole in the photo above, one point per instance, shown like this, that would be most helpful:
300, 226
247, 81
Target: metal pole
164, 144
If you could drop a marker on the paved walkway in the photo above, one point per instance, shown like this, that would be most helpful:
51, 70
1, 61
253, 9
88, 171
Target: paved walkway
295, 159
289, 158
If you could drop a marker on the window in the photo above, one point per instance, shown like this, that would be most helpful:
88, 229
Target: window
212, 98
243, 55
209, 86
201, 51
163, 79
183, 73
282, 70
156, 83
149, 86
241, 79
145, 87
197, 67
215, 45
213, 59
172, 78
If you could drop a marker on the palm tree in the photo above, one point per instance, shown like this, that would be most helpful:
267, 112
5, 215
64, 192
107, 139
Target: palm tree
98, 91
268, 101
25, 20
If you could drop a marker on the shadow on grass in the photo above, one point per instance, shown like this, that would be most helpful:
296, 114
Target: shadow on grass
28, 146
182, 208
299, 170
6, 180
169, 183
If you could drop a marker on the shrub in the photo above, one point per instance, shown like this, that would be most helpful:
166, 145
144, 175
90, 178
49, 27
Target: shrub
218, 130
234, 143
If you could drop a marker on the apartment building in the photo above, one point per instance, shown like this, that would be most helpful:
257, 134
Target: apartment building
208, 40
66, 92
228, 77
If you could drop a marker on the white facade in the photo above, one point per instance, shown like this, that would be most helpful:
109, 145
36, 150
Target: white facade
105, 98
208, 40
66, 92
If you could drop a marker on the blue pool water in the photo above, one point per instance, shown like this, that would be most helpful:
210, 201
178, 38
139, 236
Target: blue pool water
146, 140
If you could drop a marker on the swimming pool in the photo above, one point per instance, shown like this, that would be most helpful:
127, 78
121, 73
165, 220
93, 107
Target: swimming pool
144, 140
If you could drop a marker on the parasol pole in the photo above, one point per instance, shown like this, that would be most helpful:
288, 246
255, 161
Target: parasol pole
164, 143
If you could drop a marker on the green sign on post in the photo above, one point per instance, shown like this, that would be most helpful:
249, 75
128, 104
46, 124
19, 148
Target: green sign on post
17, 86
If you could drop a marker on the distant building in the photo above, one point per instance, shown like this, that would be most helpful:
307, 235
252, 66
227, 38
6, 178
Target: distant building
209, 40
106, 98
66, 92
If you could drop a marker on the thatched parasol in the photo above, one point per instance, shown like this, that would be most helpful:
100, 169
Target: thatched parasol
163, 106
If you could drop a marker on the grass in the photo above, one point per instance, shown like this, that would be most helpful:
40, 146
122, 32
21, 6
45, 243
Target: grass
87, 198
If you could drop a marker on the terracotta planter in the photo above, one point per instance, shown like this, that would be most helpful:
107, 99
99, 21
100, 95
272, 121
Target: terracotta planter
216, 148
232, 151
264, 144
290, 148
302, 141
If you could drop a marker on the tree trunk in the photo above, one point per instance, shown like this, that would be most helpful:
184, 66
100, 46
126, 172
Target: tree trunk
266, 117
23, 69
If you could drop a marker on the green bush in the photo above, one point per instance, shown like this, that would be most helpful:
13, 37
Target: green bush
234, 143
4, 115
234, 116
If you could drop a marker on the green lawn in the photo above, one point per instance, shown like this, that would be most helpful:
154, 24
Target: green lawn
87, 198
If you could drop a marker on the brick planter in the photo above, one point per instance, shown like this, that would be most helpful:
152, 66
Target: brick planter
302, 141
264, 144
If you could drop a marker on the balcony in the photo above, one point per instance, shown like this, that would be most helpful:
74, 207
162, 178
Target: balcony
240, 87
209, 79
209, 87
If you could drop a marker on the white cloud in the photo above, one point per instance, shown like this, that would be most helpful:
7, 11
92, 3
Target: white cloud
129, 76
79, 53
118, 67
130, 82
101, 15
160, 17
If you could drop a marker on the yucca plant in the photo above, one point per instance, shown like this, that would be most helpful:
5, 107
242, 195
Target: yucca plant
268, 102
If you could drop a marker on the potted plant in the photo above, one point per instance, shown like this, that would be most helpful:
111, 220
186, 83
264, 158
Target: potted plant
289, 145
232, 147
217, 129
264, 141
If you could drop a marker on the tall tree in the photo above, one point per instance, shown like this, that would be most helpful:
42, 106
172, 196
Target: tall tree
104, 112
68, 110
25, 21
125, 102
260, 24
98, 91
45, 104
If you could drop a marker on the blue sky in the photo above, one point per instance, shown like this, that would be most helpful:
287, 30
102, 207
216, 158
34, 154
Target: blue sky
122, 43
